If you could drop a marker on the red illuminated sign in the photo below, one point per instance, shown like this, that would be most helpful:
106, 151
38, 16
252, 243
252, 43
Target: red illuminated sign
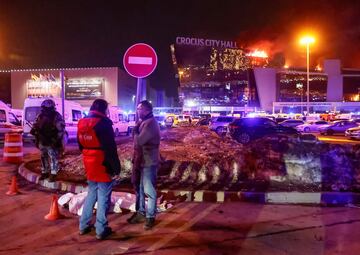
140, 60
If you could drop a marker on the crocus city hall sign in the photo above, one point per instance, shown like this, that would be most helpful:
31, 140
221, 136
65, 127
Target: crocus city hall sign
205, 42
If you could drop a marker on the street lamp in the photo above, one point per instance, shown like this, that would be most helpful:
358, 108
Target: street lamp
307, 40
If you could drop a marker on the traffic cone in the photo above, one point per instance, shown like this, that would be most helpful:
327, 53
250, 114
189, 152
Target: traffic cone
54, 213
13, 190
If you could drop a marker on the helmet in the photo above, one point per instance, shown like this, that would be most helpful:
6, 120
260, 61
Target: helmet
48, 103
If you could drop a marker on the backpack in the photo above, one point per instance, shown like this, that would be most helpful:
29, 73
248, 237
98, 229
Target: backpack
46, 129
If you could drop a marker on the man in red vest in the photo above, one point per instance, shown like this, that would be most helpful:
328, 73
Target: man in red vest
97, 143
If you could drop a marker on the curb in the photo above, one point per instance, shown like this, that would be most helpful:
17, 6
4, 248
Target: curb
57, 185
316, 198
319, 198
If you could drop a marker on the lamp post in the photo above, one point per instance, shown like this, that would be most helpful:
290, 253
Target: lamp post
307, 40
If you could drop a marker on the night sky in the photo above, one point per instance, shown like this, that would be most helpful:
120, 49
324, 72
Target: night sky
45, 34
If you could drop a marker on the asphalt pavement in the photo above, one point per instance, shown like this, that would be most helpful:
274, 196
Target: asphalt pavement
186, 228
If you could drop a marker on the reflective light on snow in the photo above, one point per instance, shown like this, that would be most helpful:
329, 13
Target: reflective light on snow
216, 174
235, 170
202, 175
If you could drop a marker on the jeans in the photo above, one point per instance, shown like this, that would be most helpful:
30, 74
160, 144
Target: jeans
49, 160
147, 186
99, 192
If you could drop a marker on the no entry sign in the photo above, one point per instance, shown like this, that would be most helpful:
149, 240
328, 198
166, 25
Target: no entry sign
140, 60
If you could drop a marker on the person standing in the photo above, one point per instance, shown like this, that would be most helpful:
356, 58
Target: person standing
97, 143
48, 130
146, 144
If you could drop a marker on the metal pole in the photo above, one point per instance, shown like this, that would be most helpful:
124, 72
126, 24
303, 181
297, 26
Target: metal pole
62, 78
308, 76
138, 96
301, 92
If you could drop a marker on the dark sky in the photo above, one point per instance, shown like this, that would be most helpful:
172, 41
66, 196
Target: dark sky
45, 33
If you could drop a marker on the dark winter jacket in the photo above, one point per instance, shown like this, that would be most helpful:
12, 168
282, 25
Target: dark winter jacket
148, 139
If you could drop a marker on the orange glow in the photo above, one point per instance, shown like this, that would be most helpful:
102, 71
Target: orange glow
286, 66
258, 54
318, 68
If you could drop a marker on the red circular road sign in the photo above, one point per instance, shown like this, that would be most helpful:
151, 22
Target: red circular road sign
140, 60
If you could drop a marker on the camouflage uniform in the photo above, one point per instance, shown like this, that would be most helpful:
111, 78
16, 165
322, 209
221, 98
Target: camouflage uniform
49, 129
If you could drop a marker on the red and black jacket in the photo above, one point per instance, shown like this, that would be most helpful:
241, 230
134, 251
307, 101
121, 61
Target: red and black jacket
97, 143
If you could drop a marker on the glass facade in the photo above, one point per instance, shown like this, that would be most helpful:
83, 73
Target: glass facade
293, 85
351, 90
210, 76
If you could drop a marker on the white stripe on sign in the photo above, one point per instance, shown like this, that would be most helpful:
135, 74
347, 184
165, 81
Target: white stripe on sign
140, 60
13, 154
7, 144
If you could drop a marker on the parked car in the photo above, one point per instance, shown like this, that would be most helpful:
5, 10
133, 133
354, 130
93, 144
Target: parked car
171, 120
7, 115
280, 119
219, 124
203, 122
118, 118
247, 129
195, 120
353, 133
161, 120
184, 119
311, 126
291, 123
356, 120
337, 127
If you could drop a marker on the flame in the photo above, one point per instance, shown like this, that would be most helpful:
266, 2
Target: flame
258, 54
318, 68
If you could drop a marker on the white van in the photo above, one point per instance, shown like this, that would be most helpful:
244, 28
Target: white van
120, 123
131, 118
7, 116
73, 112
18, 113
8, 120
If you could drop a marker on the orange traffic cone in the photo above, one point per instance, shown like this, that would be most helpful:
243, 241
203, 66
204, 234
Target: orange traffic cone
54, 213
13, 190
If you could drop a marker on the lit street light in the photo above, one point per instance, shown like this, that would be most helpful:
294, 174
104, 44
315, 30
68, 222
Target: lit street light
307, 40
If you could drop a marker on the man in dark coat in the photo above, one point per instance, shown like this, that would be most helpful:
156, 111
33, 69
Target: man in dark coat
146, 161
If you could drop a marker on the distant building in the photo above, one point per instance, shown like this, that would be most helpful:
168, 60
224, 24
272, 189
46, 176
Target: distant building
82, 85
5, 91
218, 79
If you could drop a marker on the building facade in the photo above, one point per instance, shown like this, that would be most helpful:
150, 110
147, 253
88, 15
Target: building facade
221, 77
82, 85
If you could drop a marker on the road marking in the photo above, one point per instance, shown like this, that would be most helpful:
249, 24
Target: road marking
331, 139
140, 60
184, 227
183, 210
